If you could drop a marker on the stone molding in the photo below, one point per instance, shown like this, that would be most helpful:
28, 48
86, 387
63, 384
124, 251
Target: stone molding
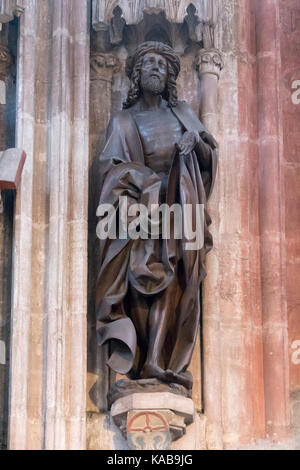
9, 9
209, 62
133, 12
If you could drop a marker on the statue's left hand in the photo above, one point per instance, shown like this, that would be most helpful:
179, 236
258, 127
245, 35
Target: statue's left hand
187, 143
209, 139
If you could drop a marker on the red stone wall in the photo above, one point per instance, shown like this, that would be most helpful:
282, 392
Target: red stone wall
290, 72
269, 165
248, 157
290, 167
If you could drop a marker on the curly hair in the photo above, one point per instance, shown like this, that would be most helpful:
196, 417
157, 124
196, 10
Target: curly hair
134, 67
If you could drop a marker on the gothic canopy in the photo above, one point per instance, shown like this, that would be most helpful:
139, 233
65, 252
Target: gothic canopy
133, 10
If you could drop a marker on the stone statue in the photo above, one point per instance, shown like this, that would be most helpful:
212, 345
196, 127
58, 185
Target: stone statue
148, 290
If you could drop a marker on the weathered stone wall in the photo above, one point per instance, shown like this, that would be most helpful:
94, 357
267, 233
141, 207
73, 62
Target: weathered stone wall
49, 302
289, 40
8, 40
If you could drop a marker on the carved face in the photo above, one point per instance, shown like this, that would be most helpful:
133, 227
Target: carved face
154, 73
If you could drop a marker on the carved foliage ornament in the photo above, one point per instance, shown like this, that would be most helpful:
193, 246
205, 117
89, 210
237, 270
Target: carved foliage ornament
209, 61
103, 66
133, 10
9, 9
5, 61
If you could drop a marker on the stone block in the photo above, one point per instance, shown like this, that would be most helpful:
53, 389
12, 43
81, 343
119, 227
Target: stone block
11, 166
2, 92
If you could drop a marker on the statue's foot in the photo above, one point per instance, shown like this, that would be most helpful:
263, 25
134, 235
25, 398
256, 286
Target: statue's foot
185, 379
152, 371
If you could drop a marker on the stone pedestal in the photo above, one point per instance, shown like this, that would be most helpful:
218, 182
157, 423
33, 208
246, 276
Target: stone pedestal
152, 421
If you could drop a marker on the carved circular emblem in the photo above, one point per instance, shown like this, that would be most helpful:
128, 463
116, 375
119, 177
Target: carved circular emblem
148, 430
147, 421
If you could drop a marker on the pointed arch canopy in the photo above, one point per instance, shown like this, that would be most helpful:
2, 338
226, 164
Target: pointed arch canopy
133, 10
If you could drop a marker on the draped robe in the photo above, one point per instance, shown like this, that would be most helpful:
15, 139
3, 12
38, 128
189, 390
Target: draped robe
149, 266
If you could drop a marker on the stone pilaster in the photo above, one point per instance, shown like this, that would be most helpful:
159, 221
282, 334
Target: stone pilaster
272, 225
48, 360
102, 69
209, 64
103, 66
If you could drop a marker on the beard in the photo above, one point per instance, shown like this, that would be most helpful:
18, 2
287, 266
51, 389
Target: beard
153, 85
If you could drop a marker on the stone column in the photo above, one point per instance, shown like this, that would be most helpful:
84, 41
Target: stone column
209, 64
103, 67
48, 359
274, 308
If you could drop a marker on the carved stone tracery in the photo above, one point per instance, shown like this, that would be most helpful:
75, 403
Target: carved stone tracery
200, 15
134, 10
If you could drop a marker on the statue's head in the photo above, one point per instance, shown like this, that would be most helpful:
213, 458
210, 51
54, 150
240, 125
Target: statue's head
153, 67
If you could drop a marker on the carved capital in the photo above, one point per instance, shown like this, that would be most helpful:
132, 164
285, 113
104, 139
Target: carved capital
103, 66
209, 61
9, 9
5, 61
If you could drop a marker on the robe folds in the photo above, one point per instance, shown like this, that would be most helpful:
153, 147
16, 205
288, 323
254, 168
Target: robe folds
149, 266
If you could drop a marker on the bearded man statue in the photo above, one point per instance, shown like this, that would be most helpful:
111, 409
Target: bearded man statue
148, 290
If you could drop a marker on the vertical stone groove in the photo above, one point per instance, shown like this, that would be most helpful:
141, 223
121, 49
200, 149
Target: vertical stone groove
23, 234
57, 207
271, 220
